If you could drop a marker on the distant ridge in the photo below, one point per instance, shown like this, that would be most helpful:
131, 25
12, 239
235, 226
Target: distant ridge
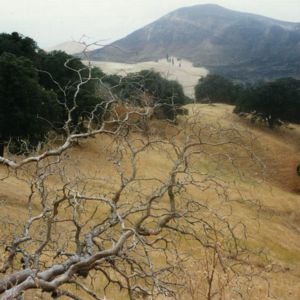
70, 47
240, 45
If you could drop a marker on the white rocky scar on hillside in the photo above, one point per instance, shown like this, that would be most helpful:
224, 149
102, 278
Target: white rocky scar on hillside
173, 69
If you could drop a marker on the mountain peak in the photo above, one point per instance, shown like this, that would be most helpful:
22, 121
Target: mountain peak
209, 7
199, 10
217, 38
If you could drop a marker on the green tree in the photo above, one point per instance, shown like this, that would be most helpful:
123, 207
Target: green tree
215, 88
23, 103
291, 93
168, 95
19, 45
61, 73
274, 102
64, 84
52, 67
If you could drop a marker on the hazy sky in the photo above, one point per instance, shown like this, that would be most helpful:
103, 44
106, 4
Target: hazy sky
51, 22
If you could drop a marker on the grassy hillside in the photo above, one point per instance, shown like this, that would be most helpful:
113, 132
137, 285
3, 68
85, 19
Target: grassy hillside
262, 192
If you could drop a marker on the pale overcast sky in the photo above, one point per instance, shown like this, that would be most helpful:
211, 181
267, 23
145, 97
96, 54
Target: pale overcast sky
51, 22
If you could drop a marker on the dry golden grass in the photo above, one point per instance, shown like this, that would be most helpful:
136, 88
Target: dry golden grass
272, 214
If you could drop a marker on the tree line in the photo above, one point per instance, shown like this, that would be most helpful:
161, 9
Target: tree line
275, 102
38, 90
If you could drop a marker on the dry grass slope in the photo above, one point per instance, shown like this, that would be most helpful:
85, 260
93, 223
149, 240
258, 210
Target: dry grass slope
272, 218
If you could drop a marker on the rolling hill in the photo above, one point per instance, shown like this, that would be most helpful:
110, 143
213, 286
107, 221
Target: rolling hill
269, 208
236, 44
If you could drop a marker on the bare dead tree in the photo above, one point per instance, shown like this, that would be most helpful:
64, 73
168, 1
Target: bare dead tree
125, 225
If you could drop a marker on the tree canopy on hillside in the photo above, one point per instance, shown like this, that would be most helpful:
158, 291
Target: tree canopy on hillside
72, 90
38, 90
274, 102
166, 94
63, 73
24, 104
215, 88
19, 45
